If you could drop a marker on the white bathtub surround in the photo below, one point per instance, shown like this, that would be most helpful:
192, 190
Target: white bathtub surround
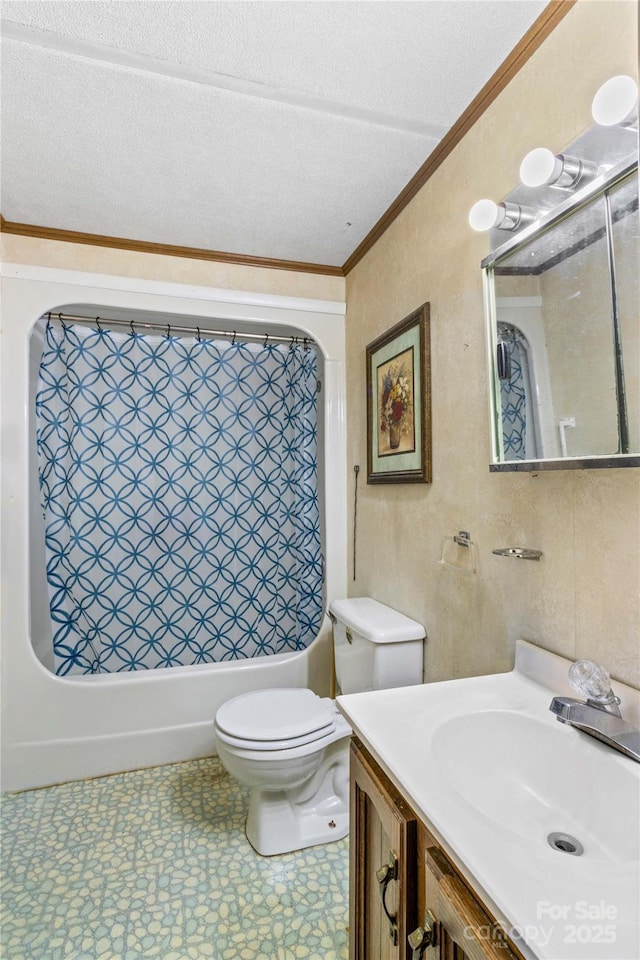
108, 723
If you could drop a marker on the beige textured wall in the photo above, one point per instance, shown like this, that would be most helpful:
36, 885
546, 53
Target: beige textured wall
149, 266
581, 600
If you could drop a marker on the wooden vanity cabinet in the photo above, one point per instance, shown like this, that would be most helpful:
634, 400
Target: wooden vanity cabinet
407, 900
462, 928
383, 864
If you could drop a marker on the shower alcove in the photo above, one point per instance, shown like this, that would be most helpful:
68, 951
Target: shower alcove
58, 728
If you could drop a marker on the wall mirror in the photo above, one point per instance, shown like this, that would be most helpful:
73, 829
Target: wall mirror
562, 303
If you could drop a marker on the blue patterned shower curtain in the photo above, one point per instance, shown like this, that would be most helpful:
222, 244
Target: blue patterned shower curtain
178, 481
518, 427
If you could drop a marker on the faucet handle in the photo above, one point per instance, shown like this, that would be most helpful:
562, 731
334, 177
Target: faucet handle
592, 681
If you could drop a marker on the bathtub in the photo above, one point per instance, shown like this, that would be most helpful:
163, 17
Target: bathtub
55, 728
107, 723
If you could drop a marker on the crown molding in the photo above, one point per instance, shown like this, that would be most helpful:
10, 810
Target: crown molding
524, 49
164, 249
521, 53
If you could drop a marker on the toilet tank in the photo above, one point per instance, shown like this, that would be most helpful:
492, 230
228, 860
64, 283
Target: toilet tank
375, 646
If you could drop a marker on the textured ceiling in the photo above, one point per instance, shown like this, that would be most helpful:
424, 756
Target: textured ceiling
269, 129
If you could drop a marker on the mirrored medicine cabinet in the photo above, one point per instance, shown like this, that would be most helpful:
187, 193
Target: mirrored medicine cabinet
562, 305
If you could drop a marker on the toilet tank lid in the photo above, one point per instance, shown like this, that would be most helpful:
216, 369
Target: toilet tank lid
375, 621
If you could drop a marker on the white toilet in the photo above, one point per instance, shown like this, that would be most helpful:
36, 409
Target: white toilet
292, 747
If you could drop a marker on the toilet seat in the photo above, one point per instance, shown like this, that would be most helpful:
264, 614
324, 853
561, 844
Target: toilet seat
269, 745
275, 719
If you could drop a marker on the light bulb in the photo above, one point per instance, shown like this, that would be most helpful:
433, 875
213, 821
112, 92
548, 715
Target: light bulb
540, 166
484, 215
616, 102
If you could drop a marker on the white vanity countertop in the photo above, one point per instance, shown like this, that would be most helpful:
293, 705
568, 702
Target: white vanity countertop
492, 772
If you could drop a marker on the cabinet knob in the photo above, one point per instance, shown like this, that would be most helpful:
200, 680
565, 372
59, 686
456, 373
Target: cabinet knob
423, 937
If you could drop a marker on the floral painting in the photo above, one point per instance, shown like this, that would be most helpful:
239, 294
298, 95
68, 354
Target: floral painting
399, 403
396, 433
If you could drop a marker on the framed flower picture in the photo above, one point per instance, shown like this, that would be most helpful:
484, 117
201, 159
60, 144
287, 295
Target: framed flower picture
399, 403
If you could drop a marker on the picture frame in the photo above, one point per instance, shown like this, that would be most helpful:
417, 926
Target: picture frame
399, 402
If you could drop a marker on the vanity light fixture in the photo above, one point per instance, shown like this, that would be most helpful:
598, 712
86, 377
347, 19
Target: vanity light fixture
485, 214
616, 103
542, 167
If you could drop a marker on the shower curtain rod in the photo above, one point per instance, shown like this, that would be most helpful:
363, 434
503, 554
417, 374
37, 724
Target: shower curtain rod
169, 327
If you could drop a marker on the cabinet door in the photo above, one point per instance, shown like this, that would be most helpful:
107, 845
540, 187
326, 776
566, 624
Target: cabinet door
383, 861
457, 926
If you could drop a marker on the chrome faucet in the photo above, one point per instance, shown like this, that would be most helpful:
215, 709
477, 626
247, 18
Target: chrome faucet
599, 715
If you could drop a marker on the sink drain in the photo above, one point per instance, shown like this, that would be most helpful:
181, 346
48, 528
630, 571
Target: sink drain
565, 843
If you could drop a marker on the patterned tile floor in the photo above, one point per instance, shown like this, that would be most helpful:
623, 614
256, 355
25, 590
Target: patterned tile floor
155, 863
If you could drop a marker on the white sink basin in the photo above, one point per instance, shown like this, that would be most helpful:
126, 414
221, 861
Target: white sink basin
533, 778
492, 772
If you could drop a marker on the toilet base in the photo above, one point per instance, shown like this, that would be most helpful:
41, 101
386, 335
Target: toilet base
276, 824
280, 821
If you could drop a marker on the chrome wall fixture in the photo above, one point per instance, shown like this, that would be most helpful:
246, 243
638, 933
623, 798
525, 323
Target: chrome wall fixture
518, 553
614, 105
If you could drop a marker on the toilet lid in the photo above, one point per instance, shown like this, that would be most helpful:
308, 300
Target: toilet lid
317, 737
274, 715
